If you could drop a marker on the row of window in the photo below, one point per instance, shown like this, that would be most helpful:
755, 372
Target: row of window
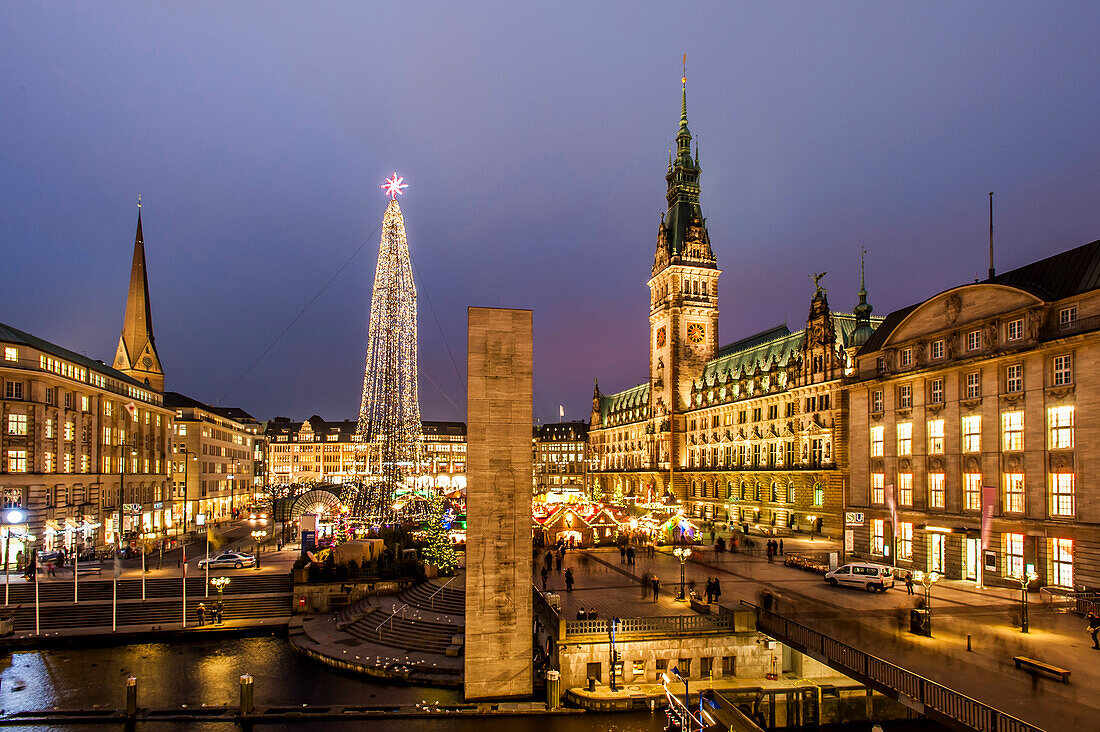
745, 491
1061, 496
815, 403
1059, 433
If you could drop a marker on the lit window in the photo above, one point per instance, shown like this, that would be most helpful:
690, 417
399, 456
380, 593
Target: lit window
13, 390
70, 429
819, 495
876, 401
880, 364
17, 424
1061, 562
1015, 329
1013, 428
936, 391
905, 438
878, 488
905, 541
972, 491
878, 536
1014, 378
1061, 427
84, 404
51, 462
11, 354
973, 385
877, 433
1067, 315
972, 433
67, 463
973, 340
17, 461
935, 437
181, 430
905, 489
107, 464
1062, 494
936, 491
85, 463
906, 357
1063, 370
937, 349
1014, 492
905, 396
1014, 555
108, 409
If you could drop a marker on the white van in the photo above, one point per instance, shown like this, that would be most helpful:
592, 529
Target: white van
870, 576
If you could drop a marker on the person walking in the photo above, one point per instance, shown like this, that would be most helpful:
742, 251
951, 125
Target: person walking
707, 589
780, 546
630, 556
909, 583
717, 590
548, 560
655, 585
557, 563
770, 550
569, 580
622, 554
545, 575
1093, 620
200, 614
645, 584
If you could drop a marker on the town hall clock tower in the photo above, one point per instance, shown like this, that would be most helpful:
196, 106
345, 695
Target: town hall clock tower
683, 314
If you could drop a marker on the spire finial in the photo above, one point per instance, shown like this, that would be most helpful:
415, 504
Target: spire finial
139, 200
862, 286
684, 93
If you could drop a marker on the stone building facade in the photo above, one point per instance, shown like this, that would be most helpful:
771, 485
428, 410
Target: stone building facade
213, 459
72, 431
560, 457
987, 389
750, 433
328, 452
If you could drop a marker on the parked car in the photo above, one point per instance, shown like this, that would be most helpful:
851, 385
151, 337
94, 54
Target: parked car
228, 559
872, 577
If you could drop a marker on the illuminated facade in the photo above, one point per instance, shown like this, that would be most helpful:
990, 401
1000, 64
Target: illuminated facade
72, 430
329, 452
750, 433
560, 457
213, 459
989, 384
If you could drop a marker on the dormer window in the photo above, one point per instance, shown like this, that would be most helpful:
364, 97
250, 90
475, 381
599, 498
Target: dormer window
906, 358
973, 340
937, 349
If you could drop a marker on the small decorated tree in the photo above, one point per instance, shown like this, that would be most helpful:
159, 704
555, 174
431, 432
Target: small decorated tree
438, 549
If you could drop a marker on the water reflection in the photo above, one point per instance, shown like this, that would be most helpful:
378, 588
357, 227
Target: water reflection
207, 672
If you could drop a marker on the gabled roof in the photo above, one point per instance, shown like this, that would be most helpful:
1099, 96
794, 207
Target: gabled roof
637, 396
1056, 277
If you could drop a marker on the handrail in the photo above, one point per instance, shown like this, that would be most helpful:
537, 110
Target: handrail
398, 610
914, 690
431, 598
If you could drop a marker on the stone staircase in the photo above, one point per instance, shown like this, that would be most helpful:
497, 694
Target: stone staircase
428, 617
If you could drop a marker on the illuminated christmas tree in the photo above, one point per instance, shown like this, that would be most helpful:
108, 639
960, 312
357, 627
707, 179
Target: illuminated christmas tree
389, 414
438, 549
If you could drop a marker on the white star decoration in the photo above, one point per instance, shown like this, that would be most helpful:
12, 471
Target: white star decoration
393, 186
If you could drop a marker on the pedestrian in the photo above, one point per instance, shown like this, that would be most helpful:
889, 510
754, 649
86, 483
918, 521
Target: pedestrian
1093, 620
770, 550
548, 560
720, 547
780, 546
707, 590
655, 585
219, 607
569, 580
630, 556
712, 535
622, 554
545, 574
717, 590
557, 563
581, 614
909, 583
645, 584
200, 613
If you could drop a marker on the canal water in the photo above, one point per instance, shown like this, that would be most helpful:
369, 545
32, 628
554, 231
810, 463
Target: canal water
208, 671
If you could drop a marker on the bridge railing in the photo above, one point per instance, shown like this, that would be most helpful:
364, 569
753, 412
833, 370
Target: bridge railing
932, 698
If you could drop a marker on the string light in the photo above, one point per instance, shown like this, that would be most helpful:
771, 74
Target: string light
389, 413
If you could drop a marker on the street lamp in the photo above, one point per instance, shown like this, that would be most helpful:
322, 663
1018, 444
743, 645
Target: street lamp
1025, 578
219, 584
813, 524
194, 456
10, 517
121, 486
682, 553
927, 579
258, 536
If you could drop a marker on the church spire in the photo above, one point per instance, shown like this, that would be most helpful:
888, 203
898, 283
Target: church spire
137, 354
863, 309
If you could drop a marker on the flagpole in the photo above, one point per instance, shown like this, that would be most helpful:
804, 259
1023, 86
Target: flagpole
185, 586
76, 571
207, 583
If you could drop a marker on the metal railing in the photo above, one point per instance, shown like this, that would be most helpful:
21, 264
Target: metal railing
431, 598
1060, 330
924, 695
668, 625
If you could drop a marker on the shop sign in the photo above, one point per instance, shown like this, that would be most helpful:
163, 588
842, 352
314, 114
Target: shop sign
131, 508
158, 505
849, 540
853, 518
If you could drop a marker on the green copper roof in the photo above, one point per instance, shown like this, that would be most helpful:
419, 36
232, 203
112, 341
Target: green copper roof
635, 398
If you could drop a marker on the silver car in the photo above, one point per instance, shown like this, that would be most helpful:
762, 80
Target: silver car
228, 559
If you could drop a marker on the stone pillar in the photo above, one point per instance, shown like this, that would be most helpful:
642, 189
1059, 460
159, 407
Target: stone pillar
499, 590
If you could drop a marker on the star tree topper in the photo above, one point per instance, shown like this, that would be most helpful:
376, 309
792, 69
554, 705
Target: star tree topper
394, 185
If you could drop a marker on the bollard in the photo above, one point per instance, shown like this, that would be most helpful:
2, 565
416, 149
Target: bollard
553, 689
246, 694
968, 648
131, 696
591, 683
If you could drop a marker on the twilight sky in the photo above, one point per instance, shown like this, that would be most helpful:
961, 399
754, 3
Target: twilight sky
535, 143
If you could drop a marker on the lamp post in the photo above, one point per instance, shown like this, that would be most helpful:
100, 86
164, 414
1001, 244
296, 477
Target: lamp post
682, 553
927, 579
257, 537
219, 584
813, 524
1025, 579
193, 456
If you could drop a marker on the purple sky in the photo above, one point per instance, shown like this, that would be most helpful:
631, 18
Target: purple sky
535, 144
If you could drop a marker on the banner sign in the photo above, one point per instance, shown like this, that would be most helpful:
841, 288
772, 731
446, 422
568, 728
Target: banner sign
131, 508
853, 518
989, 499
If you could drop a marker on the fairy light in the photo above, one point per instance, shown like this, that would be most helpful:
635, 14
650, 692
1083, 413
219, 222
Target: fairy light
389, 413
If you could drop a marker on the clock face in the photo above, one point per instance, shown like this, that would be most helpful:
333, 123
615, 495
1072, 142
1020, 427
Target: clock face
147, 361
696, 332
661, 337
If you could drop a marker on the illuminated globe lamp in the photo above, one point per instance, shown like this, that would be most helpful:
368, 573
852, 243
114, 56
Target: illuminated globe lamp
1025, 579
682, 553
927, 579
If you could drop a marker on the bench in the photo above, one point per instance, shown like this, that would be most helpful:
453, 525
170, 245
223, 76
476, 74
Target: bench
1033, 665
699, 606
97, 569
